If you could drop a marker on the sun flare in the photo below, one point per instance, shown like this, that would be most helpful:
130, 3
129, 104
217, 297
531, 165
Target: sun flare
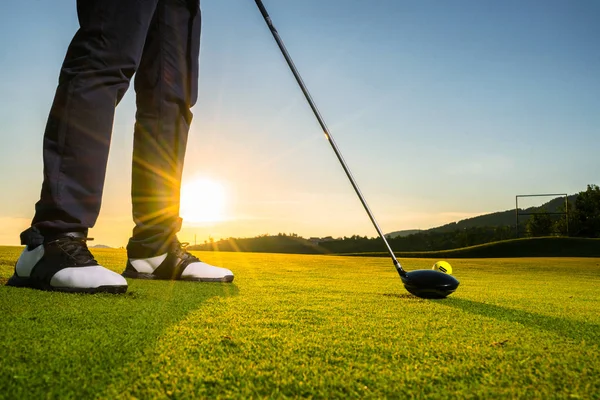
203, 200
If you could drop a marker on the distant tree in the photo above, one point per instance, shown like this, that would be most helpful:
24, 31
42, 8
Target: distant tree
566, 224
587, 212
503, 233
540, 224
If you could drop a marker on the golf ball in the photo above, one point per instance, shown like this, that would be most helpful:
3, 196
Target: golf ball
443, 266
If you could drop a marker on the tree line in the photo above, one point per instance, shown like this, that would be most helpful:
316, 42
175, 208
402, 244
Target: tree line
581, 219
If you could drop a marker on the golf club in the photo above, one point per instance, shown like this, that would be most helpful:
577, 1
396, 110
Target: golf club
424, 283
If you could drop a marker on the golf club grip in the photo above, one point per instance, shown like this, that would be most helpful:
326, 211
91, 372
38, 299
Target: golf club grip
321, 121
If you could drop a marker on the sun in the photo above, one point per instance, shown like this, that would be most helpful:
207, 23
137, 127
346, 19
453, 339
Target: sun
203, 200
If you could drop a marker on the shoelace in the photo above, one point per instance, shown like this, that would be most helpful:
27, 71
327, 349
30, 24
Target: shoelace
75, 248
180, 250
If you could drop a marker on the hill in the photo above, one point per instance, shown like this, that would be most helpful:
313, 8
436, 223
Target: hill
487, 228
501, 218
526, 247
403, 233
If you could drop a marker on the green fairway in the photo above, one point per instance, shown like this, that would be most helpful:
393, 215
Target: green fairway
310, 326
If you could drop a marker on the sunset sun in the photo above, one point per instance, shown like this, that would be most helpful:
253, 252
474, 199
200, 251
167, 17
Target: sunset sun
203, 200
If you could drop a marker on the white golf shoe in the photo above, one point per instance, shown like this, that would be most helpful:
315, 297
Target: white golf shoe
64, 264
176, 264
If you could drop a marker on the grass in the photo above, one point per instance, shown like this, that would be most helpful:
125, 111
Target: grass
310, 326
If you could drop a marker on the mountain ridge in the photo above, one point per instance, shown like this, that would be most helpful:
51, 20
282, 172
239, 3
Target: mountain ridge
494, 219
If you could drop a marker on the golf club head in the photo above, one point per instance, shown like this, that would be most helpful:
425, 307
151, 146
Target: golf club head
429, 284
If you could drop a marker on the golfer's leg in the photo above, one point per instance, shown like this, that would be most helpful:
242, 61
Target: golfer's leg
166, 89
95, 74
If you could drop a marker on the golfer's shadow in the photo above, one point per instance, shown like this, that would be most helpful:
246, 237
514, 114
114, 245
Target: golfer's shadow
177, 301
77, 335
575, 330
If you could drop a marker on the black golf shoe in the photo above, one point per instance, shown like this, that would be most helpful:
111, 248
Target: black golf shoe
64, 264
176, 264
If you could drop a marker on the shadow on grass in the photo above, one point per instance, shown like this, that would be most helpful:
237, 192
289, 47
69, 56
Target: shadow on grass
575, 330
56, 345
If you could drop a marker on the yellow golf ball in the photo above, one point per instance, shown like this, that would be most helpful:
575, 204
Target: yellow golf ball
443, 266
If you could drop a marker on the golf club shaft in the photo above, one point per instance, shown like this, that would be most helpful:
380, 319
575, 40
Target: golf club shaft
337, 152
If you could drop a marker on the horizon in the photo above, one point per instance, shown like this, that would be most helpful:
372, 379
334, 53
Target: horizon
534, 202
443, 111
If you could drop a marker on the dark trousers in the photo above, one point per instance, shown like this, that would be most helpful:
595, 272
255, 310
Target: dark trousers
158, 40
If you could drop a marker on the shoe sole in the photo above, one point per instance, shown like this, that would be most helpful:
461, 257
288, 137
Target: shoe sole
16, 281
140, 275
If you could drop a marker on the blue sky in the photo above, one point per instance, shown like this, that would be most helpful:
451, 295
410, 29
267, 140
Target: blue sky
443, 110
